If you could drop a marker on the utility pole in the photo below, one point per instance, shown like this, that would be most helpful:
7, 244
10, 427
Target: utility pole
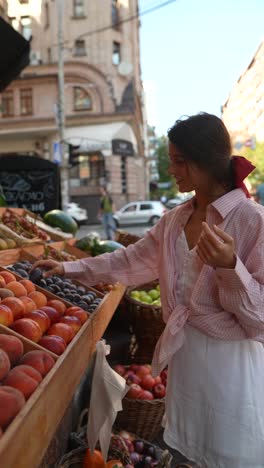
64, 171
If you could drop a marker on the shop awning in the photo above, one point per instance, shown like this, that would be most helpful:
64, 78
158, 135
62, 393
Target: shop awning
99, 137
14, 54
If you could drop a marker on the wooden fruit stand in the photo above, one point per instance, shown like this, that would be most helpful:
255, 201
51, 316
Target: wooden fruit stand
27, 438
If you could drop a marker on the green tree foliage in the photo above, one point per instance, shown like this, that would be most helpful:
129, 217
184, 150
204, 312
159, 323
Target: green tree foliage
163, 166
256, 156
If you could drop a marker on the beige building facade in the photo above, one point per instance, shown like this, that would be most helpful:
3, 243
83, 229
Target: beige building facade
243, 112
102, 93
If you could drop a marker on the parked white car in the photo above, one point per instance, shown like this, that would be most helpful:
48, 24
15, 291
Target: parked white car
140, 212
178, 200
76, 212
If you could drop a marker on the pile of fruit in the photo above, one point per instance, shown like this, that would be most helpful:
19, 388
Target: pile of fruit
22, 226
6, 243
64, 288
129, 451
58, 255
143, 386
151, 296
28, 312
142, 453
20, 375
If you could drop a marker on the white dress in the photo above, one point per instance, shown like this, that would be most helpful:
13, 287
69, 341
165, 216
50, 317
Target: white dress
215, 392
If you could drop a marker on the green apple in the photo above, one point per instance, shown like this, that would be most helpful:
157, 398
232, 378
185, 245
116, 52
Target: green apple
158, 287
146, 299
135, 294
154, 294
157, 302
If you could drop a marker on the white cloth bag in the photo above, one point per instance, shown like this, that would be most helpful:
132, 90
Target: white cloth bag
108, 390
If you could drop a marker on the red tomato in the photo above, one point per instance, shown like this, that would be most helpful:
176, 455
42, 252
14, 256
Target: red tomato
134, 367
148, 382
158, 380
133, 378
134, 391
143, 370
145, 395
120, 369
159, 391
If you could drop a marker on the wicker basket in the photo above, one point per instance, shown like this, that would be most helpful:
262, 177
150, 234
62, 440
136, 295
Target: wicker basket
125, 238
147, 325
141, 417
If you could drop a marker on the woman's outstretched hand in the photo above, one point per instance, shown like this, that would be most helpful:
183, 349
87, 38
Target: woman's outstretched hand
216, 248
51, 267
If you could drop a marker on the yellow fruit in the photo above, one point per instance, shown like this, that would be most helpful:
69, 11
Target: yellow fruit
3, 244
11, 244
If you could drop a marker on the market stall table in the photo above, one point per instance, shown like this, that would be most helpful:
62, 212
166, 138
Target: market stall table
27, 438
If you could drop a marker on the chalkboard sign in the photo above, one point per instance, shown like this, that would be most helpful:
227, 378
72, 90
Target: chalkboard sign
30, 182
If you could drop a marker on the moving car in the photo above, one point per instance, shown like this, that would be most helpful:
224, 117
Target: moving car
76, 212
140, 212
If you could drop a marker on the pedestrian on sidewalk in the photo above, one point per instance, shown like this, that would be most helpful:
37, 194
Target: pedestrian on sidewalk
208, 254
106, 214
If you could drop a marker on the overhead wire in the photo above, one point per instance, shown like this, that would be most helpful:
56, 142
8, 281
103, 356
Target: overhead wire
137, 15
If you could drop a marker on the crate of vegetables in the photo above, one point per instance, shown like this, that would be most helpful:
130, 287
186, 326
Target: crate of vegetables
144, 404
145, 313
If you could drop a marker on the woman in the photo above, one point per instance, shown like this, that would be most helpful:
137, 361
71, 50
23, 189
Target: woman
208, 255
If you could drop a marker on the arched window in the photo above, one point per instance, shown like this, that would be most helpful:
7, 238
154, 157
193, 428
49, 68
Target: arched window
82, 99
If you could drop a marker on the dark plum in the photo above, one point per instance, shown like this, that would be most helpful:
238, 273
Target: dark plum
77, 297
36, 275
83, 305
93, 294
88, 299
43, 283
60, 294
81, 290
22, 273
69, 297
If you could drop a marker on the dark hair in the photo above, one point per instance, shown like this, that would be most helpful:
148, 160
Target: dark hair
204, 140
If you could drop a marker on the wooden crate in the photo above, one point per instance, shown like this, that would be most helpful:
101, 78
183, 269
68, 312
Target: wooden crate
53, 233
24, 443
10, 256
39, 250
28, 344
48, 294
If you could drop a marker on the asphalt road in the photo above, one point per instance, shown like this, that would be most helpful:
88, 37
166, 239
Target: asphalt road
138, 230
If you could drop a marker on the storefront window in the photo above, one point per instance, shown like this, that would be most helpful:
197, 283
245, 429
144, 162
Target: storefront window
90, 171
26, 102
82, 99
7, 105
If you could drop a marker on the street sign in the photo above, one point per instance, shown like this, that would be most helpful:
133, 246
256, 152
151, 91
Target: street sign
57, 152
122, 147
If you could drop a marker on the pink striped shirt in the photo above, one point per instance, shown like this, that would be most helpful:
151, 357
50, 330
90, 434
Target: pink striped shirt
226, 304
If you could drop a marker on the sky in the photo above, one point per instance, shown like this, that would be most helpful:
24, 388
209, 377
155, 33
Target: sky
194, 51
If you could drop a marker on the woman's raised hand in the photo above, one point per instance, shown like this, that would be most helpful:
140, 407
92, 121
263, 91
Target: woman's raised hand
216, 248
51, 267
